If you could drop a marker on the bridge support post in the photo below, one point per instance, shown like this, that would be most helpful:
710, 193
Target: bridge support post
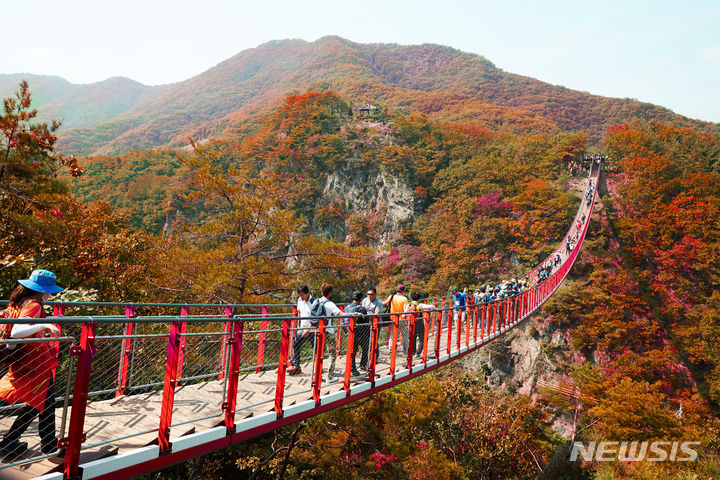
293, 325
496, 315
224, 347
460, 314
234, 343
426, 336
76, 436
468, 320
393, 347
319, 354
282, 366
438, 331
450, 322
506, 312
184, 312
350, 353
59, 310
170, 383
374, 339
411, 340
126, 347
477, 320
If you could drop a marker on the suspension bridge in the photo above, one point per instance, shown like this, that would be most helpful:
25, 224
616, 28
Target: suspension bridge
136, 392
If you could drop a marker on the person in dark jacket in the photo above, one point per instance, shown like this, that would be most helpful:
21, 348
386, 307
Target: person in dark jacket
362, 331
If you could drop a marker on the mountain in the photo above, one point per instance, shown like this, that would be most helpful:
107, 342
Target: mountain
118, 114
81, 105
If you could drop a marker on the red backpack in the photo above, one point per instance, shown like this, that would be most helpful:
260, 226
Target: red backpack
11, 353
411, 308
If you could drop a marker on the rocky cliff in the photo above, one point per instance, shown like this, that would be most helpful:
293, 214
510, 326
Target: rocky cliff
365, 192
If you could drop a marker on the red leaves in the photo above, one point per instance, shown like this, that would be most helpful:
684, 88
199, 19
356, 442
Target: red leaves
382, 459
490, 205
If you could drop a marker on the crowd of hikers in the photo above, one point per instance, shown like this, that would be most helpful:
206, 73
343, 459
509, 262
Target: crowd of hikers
575, 167
396, 308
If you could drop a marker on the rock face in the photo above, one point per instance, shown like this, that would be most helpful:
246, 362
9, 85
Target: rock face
516, 360
525, 360
365, 191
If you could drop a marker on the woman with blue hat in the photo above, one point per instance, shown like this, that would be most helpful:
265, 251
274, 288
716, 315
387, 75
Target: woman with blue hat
31, 376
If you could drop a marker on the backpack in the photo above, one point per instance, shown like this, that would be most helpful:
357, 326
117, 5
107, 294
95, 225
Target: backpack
12, 353
412, 307
389, 305
318, 310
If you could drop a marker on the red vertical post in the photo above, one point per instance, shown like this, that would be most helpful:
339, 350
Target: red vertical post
468, 321
450, 322
508, 308
184, 312
261, 341
488, 319
483, 321
438, 330
338, 339
531, 300
125, 352
350, 352
506, 312
234, 343
496, 315
282, 366
75, 438
374, 339
434, 317
426, 336
443, 313
227, 330
477, 320
411, 340
460, 312
393, 348
293, 325
58, 311
513, 309
491, 317
319, 354
169, 385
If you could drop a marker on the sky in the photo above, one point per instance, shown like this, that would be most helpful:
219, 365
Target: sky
662, 52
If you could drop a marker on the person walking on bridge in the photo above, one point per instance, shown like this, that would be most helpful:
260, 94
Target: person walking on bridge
398, 304
329, 309
304, 308
32, 371
374, 306
362, 331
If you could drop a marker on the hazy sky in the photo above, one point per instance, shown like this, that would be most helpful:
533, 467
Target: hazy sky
664, 52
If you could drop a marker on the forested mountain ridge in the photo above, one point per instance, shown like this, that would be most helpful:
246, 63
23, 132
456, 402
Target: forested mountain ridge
81, 105
441, 82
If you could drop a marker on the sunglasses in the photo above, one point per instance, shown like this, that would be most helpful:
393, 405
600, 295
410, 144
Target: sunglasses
371, 293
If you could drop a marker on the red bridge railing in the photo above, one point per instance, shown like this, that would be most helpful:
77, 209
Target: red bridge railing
142, 391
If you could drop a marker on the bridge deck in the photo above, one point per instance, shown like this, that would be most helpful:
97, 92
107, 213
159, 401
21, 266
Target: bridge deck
109, 420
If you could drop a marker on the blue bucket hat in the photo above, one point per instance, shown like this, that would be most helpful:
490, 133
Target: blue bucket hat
41, 281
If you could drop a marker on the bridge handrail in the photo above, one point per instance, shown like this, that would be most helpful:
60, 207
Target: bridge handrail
172, 354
